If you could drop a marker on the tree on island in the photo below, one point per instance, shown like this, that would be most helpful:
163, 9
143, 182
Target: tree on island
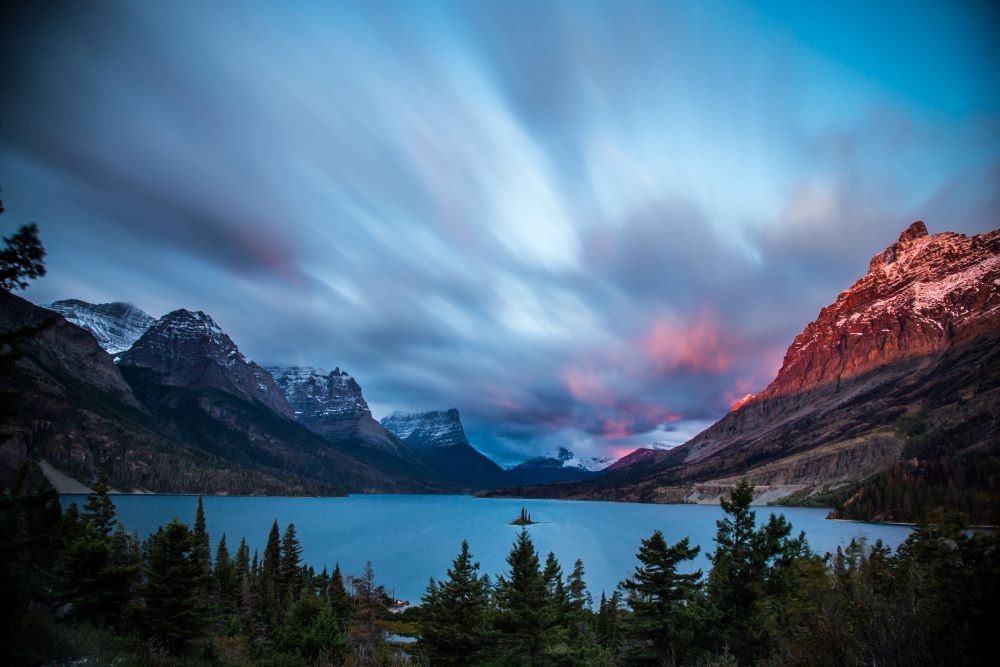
523, 519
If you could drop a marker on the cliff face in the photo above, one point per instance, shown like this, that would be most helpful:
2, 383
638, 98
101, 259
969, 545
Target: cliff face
915, 340
438, 438
332, 406
921, 294
188, 349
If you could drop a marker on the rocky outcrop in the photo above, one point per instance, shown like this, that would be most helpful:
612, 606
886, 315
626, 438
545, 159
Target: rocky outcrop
188, 349
116, 326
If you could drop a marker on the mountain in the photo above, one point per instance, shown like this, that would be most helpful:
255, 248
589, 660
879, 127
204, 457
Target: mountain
116, 326
561, 466
67, 408
332, 406
190, 350
439, 439
183, 412
886, 405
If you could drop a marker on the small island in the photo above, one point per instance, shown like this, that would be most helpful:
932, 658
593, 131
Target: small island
524, 519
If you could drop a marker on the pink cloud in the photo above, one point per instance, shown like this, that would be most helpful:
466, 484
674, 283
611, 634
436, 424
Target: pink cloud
700, 346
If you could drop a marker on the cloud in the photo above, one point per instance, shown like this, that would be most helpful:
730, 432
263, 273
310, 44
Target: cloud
583, 226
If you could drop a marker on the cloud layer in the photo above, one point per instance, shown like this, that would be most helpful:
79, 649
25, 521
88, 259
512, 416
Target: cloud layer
582, 224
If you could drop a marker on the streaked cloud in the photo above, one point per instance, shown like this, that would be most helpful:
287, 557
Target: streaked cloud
584, 224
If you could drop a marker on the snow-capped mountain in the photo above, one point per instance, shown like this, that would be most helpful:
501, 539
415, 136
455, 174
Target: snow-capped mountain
332, 405
188, 349
437, 428
564, 458
563, 465
116, 326
439, 439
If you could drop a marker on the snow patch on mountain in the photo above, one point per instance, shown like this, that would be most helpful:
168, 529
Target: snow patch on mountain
116, 326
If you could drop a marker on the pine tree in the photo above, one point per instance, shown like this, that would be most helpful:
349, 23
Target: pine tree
224, 578
608, 616
202, 546
752, 569
521, 600
99, 510
270, 574
578, 602
454, 624
663, 622
340, 601
289, 570
173, 611
21, 258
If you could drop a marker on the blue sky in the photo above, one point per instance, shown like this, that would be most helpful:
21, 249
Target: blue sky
587, 224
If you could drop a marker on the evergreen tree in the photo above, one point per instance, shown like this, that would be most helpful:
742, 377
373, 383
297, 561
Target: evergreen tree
174, 612
289, 570
21, 258
202, 546
752, 571
663, 622
608, 620
454, 620
99, 511
521, 599
340, 601
224, 578
270, 576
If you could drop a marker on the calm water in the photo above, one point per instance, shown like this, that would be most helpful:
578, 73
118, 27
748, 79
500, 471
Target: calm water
411, 538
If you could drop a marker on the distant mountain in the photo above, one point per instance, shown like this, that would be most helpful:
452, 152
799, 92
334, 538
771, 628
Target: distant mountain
885, 405
439, 439
563, 466
65, 404
184, 412
116, 326
332, 406
188, 349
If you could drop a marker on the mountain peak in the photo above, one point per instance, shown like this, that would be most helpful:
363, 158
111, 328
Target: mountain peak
116, 325
921, 294
188, 349
914, 231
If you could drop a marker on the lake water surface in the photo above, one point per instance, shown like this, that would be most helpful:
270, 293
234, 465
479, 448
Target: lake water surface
409, 538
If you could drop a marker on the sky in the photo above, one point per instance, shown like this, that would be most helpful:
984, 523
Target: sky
583, 224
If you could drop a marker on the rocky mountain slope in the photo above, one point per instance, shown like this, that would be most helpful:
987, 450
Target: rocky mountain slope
186, 349
901, 373
116, 326
185, 413
332, 406
439, 439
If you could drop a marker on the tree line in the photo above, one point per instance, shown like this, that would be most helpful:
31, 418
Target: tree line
77, 585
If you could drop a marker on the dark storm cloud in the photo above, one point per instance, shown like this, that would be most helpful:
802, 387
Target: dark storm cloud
582, 224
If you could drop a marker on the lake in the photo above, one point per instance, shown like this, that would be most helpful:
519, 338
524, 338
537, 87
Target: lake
409, 538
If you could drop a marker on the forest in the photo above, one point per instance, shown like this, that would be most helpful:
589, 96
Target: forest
80, 588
